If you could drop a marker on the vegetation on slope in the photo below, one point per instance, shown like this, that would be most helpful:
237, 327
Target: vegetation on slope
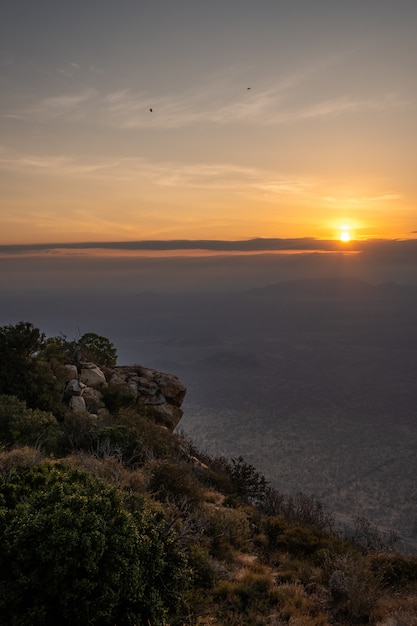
120, 522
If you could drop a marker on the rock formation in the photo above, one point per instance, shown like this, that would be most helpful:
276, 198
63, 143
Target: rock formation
159, 392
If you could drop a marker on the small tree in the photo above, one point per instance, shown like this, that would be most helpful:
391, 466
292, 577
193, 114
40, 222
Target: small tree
19, 345
92, 347
250, 485
26, 372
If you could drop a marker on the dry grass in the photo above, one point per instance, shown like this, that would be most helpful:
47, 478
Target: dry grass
19, 458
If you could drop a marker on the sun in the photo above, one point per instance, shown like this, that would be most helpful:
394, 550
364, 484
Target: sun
344, 235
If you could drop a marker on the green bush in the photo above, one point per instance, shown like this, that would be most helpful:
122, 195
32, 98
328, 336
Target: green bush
396, 570
23, 426
79, 432
73, 553
203, 570
115, 399
157, 442
227, 529
93, 347
175, 482
121, 442
293, 538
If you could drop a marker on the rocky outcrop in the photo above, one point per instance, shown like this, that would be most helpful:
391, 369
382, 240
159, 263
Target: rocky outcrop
162, 394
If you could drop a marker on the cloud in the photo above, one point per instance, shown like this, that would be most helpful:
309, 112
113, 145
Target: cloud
61, 106
223, 99
364, 200
11, 116
221, 176
220, 99
70, 70
249, 245
129, 110
341, 105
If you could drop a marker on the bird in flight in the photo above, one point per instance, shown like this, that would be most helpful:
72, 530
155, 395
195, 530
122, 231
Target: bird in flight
151, 110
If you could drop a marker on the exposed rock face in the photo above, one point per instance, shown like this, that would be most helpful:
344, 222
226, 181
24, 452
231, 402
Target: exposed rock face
161, 392
77, 404
92, 376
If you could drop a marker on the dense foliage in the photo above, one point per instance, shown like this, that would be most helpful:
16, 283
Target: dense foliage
120, 522
79, 553
32, 367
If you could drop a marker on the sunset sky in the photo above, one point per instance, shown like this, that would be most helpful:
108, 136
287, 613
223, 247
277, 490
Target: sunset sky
269, 119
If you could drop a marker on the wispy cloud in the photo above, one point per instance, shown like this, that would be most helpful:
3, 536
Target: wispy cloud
70, 70
221, 99
342, 105
364, 200
224, 98
54, 107
129, 110
220, 176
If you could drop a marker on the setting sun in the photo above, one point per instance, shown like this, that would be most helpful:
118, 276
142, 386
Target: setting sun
344, 236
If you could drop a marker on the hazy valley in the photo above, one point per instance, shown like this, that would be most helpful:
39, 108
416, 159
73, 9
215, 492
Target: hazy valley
312, 381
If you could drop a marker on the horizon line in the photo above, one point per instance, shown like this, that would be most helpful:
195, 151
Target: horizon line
260, 244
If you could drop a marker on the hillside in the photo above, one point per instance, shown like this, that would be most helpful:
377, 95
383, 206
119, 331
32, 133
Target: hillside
110, 515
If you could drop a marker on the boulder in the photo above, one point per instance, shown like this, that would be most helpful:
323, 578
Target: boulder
93, 399
72, 372
77, 404
92, 375
74, 388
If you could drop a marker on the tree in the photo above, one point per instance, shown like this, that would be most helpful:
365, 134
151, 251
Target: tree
93, 347
24, 370
18, 346
78, 553
31, 427
20, 341
250, 485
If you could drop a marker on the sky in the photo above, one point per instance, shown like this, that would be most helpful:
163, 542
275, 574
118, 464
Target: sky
182, 120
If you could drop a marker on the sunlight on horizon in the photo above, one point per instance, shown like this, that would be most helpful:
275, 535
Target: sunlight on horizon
345, 236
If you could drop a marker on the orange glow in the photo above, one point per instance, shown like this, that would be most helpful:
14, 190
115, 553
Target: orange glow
345, 236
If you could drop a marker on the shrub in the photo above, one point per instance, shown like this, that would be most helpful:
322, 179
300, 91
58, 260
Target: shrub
396, 570
297, 608
118, 441
30, 427
203, 570
79, 432
227, 529
301, 541
299, 508
116, 399
355, 588
157, 441
370, 538
249, 484
175, 482
77, 554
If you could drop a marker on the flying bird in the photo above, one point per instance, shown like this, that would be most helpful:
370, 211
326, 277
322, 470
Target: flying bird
151, 110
